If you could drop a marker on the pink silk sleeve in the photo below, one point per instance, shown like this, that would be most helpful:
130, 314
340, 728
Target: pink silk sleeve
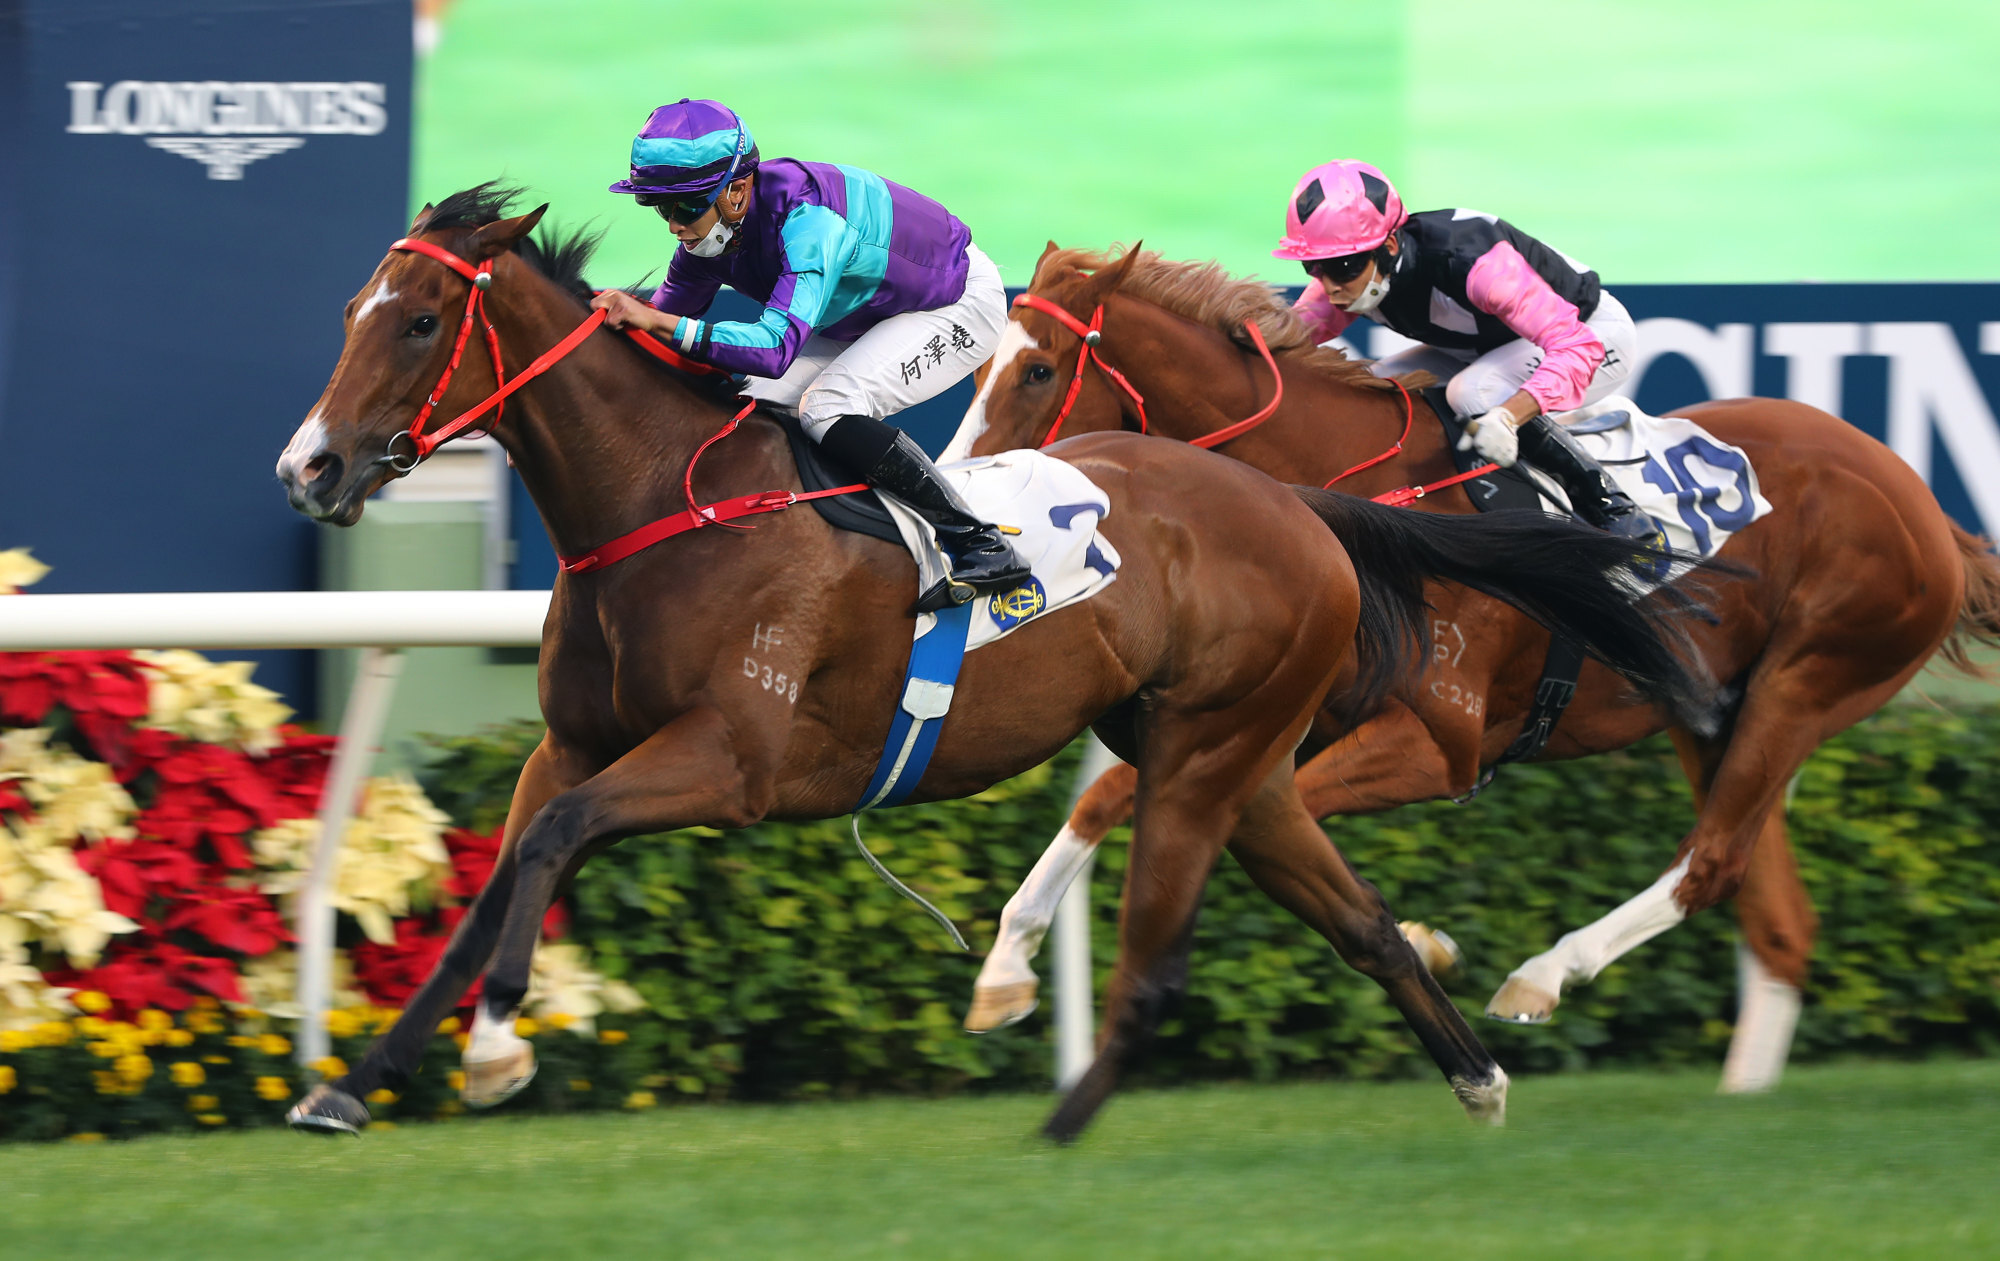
1326, 320
1502, 284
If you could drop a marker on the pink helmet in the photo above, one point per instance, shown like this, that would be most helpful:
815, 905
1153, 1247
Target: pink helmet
1341, 207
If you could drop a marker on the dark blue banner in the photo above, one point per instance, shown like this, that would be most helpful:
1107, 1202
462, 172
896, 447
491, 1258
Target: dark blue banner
193, 190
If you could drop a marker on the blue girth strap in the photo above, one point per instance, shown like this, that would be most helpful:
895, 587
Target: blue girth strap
926, 699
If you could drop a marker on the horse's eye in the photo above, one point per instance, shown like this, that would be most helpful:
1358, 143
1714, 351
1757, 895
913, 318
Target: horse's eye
1040, 372
423, 326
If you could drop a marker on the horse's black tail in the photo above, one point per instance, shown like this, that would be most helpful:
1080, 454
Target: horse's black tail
1566, 576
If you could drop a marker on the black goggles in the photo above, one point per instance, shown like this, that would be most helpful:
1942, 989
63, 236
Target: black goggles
1341, 270
679, 209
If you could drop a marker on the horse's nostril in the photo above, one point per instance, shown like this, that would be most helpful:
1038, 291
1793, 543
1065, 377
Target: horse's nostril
315, 467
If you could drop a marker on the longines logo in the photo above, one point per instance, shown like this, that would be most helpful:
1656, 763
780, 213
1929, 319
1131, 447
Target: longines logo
226, 126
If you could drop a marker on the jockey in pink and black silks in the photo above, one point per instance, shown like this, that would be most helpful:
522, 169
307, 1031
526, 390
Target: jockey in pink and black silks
1520, 332
875, 299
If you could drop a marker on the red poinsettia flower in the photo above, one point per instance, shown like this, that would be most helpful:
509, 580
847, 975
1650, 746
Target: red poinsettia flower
152, 973
236, 919
473, 855
389, 975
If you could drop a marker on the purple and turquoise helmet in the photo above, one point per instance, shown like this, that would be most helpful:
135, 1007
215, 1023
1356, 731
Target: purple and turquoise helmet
689, 148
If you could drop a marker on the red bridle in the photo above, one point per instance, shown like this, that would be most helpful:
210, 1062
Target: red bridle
1092, 334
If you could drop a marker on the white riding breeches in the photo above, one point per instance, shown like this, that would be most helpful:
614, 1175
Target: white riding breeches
1476, 383
898, 363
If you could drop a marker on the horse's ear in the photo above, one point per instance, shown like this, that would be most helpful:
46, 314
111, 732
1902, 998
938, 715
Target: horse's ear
1036, 274
417, 224
502, 235
1107, 278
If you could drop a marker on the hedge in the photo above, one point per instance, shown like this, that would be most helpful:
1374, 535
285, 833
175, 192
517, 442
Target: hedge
776, 965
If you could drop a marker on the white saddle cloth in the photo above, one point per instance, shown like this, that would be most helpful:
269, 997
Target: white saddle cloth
1700, 489
1056, 509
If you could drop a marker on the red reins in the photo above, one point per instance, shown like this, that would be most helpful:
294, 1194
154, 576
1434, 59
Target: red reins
693, 518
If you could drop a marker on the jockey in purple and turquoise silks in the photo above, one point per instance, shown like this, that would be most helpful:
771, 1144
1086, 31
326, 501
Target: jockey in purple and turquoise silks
875, 299
1520, 332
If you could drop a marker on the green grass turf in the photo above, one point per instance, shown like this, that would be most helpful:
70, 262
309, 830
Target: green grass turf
1691, 141
1874, 1160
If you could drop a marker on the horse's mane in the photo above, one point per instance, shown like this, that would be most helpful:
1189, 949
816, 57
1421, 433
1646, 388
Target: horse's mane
1210, 296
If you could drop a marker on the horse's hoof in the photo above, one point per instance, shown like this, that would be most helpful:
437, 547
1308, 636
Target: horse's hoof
1440, 954
1484, 1101
997, 1006
1521, 1002
328, 1113
490, 1083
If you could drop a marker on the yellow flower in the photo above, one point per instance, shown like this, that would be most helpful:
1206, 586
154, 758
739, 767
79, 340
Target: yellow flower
241, 1039
52, 1033
342, 1024
579, 1084
274, 1044
154, 1020
212, 1118
203, 1022
179, 1037
329, 1066
640, 1099
88, 1136
526, 1027
207, 1002
15, 1040
612, 1037
92, 1027
7, 1079
133, 1068
104, 1050
18, 569
215, 1059
273, 1089
108, 1083
187, 1073
460, 1039
91, 1001
385, 1095
559, 1020
450, 1025
455, 1079
203, 1103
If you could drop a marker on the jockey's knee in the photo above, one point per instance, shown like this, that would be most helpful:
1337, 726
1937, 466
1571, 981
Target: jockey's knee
1473, 393
836, 392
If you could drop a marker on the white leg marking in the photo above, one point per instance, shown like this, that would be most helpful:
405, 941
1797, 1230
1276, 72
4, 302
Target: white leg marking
1484, 1101
1013, 340
1032, 909
1766, 1014
1581, 955
308, 442
492, 1039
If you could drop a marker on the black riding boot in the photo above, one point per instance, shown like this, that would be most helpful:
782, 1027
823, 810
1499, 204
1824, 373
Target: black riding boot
982, 559
1595, 497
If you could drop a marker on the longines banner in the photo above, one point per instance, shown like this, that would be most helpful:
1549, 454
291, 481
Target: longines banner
192, 189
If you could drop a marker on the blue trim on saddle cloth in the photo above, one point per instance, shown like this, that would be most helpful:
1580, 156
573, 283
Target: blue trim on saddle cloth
935, 657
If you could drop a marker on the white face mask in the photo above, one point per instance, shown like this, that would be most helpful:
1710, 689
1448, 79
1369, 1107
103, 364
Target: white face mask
715, 241
1371, 295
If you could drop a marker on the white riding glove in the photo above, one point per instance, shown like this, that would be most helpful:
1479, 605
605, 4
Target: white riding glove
1492, 435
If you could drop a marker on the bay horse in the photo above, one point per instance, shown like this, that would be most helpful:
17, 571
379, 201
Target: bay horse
1235, 609
1858, 578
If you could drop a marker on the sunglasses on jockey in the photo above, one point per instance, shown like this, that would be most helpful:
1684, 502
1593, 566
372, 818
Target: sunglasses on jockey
1340, 270
682, 209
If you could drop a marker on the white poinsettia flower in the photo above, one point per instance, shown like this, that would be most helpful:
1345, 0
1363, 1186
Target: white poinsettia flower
562, 982
270, 984
46, 898
18, 569
393, 849
211, 701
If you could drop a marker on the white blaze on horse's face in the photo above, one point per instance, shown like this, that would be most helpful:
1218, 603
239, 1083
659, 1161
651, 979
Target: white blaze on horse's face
307, 443
1013, 340
383, 293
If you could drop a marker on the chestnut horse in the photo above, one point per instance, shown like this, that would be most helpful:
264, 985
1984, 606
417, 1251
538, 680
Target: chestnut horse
1235, 609
1859, 578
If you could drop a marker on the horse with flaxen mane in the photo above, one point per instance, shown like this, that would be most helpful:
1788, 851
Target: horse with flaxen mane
1859, 577
1236, 607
